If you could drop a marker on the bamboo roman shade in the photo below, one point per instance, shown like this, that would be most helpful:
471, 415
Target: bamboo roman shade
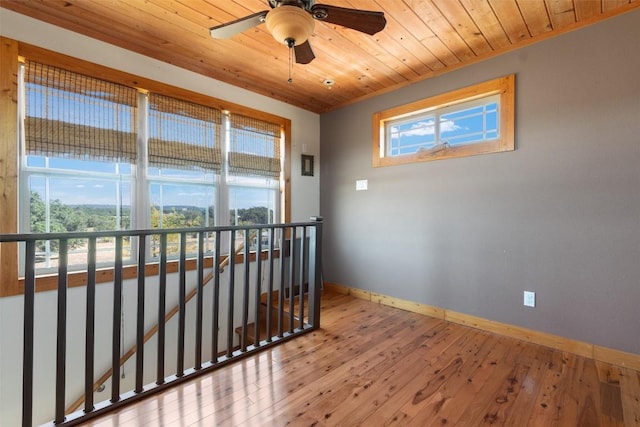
74, 116
254, 147
184, 135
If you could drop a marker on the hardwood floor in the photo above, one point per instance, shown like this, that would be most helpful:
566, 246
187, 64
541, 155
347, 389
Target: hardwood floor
373, 365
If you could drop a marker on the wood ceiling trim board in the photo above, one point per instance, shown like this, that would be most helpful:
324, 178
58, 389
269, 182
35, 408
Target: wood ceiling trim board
414, 46
536, 17
199, 53
255, 40
432, 17
49, 15
511, 20
424, 61
632, 6
343, 69
86, 20
346, 68
462, 23
586, 9
562, 13
326, 41
99, 14
226, 10
403, 62
62, 18
156, 18
127, 40
608, 5
184, 10
378, 46
488, 23
181, 12
421, 32
339, 47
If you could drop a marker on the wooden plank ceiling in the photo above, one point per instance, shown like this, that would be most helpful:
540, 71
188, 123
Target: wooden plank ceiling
423, 38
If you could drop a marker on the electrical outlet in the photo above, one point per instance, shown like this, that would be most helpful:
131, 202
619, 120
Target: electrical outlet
529, 299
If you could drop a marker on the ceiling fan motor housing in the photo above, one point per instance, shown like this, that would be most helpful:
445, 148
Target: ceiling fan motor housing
290, 25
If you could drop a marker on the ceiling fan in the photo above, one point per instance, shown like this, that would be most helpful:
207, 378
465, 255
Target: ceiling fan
291, 22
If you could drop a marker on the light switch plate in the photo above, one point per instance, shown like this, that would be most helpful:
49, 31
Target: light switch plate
529, 299
362, 184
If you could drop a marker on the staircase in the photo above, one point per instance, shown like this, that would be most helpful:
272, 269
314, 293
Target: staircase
276, 315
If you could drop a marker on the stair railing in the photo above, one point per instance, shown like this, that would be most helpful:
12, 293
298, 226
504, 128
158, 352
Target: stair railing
298, 265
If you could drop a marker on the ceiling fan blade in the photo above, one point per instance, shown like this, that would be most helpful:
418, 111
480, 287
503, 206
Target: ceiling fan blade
230, 29
304, 53
365, 21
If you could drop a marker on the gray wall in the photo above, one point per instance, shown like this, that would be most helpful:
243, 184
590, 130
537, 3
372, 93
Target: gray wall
560, 215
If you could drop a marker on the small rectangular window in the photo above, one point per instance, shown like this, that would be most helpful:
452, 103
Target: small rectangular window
469, 121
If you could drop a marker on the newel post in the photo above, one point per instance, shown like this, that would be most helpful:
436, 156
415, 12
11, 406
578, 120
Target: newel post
315, 269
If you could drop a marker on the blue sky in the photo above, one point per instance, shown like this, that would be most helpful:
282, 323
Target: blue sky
456, 128
78, 190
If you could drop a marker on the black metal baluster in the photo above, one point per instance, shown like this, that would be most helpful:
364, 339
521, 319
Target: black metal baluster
232, 277
142, 250
162, 307
61, 338
283, 250
117, 319
256, 341
182, 315
216, 299
292, 276
28, 330
245, 290
90, 327
315, 267
199, 301
270, 285
303, 272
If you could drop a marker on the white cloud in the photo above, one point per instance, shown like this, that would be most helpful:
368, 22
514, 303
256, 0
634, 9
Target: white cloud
426, 127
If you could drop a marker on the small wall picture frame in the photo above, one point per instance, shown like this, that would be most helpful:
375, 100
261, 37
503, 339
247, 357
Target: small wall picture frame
307, 165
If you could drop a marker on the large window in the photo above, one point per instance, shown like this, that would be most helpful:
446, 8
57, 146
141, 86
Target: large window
102, 156
79, 152
469, 121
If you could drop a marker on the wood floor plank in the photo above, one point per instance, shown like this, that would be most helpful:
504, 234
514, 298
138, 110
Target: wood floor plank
434, 408
373, 365
342, 380
389, 385
487, 389
630, 393
337, 355
364, 381
543, 359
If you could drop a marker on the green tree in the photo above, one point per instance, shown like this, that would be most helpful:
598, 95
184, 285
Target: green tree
62, 218
254, 215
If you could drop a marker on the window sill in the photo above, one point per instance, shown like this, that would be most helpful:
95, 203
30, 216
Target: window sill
445, 153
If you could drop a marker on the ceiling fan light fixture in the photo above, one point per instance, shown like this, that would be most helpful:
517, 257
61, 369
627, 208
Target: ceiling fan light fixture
290, 23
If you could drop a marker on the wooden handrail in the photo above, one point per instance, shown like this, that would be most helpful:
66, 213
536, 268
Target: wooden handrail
152, 331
